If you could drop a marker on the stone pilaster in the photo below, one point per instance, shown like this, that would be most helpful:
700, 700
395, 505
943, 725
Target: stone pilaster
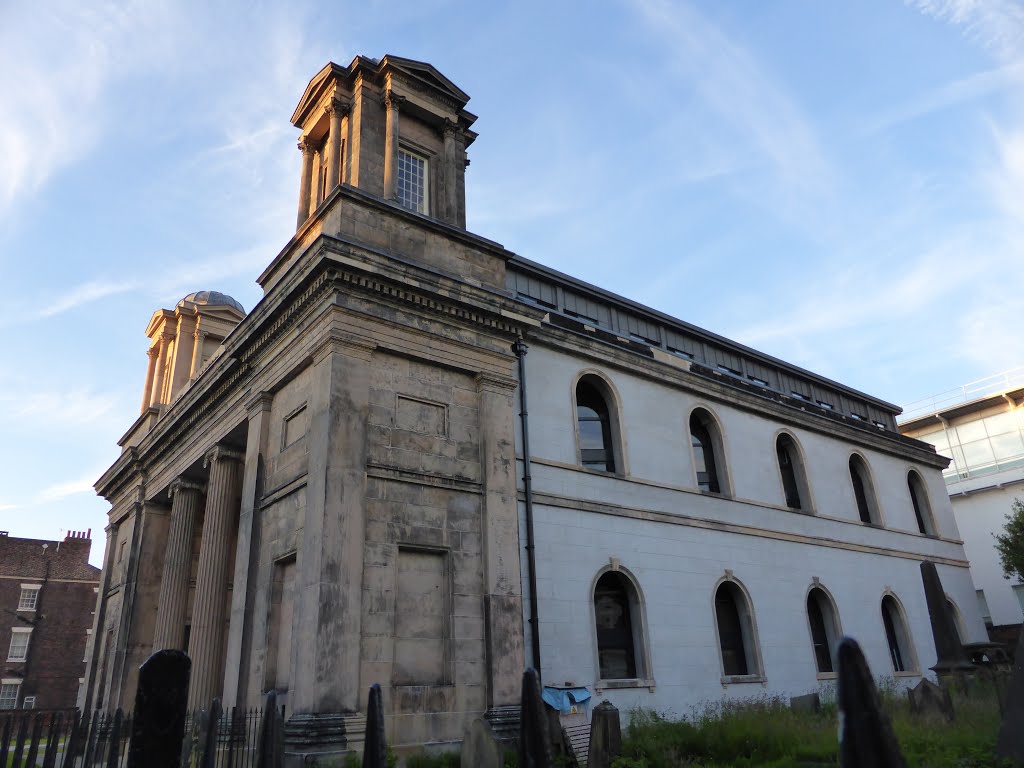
393, 104
503, 585
247, 561
197, 352
449, 206
156, 398
328, 588
337, 109
206, 644
306, 180
147, 390
173, 603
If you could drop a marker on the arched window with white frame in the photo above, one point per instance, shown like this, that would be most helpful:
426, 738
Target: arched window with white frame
620, 627
596, 425
864, 491
919, 501
825, 630
792, 473
708, 452
897, 636
737, 631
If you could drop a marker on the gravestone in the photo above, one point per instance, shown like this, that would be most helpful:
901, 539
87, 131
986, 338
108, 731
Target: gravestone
1010, 744
375, 747
952, 659
270, 749
605, 736
534, 745
480, 748
158, 725
809, 703
926, 698
866, 738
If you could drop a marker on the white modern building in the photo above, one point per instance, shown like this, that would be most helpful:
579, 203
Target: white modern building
981, 428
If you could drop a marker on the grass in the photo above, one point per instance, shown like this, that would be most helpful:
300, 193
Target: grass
765, 732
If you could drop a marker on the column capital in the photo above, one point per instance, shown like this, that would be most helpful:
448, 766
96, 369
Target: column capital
259, 402
449, 128
350, 346
199, 334
153, 351
338, 106
182, 484
493, 382
222, 453
307, 146
392, 100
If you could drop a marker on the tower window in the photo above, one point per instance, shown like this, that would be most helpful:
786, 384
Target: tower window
736, 634
919, 500
594, 424
897, 636
821, 616
863, 491
791, 469
706, 441
412, 181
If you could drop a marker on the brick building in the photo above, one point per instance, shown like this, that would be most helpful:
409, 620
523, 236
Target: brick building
47, 597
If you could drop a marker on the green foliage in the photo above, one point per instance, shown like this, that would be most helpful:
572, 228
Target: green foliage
765, 732
1010, 543
435, 760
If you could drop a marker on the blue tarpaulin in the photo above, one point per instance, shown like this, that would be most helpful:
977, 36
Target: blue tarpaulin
563, 699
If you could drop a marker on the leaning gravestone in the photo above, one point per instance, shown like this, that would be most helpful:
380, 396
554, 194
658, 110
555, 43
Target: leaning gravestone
866, 738
809, 703
605, 736
161, 698
375, 749
480, 747
534, 744
926, 698
951, 657
1010, 744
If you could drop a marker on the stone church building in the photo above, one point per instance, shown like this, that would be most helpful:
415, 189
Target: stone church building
345, 485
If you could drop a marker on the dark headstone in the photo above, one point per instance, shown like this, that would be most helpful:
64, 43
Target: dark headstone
160, 701
951, 657
375, 747
1010, 744
866, 738
114, 749
209, 759
270, 745
605, 736
807, 704
534, 751
926, 698
480, 747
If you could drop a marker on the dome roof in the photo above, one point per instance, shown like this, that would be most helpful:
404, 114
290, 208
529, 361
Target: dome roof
212, 299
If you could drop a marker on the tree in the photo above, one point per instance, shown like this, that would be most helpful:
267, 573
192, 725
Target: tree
1010, 543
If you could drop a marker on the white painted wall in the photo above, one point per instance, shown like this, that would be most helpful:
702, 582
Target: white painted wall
678, 561
979, 515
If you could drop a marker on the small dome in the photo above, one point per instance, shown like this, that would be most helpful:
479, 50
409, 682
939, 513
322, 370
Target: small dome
212, 299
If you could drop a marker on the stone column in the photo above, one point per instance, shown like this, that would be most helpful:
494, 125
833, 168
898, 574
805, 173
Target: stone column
393, 103
206, 644
448, 205
306, 180
147, 391
337, 109
161, 366
247, 561
197, 352
328, 585
173, 601
503, 598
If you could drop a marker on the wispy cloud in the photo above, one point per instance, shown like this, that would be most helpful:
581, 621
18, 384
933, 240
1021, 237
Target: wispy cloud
34, 409
997, 25
58, 62
84, 294
739, 89
62, 490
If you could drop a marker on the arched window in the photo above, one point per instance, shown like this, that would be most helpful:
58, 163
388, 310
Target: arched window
619, 620
922, 509
900, 650
737, 637
825, 634
707, 452
594, 420
863, 491
958, 620
791, 468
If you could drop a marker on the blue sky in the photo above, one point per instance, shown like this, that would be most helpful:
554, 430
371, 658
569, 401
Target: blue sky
837, 184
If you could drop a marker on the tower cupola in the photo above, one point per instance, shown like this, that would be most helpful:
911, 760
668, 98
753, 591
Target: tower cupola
395, 128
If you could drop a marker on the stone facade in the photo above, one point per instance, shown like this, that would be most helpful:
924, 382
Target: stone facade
336, 496
47, 593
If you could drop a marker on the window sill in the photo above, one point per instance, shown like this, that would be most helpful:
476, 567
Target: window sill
908, 673
26, 610
602, 685
21, 660
828, 676
739, 679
